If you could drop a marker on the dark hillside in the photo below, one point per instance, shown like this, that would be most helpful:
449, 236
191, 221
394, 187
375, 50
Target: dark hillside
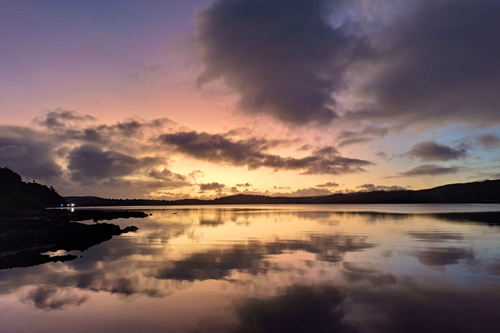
487, 191
17, 196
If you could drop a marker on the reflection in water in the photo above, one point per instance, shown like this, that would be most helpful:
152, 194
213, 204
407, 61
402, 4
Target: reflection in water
298, 309
270, 269
52, 298
250, 257
441, 256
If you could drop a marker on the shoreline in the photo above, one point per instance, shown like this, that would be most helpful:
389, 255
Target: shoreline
25, 239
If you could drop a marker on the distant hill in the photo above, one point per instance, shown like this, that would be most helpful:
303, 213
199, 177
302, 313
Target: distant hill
487, 191
17, 196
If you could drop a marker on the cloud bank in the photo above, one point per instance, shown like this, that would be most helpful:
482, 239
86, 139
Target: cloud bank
251, 153
433, 151
312, 61
284, 58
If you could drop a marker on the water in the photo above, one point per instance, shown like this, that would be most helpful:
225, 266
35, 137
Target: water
353, 268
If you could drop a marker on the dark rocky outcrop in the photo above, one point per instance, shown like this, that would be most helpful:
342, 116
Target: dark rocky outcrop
23, 241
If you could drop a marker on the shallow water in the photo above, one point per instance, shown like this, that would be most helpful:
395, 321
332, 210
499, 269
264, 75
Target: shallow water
367, 268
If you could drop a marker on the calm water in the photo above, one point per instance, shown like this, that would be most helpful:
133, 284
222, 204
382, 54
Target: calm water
356, 268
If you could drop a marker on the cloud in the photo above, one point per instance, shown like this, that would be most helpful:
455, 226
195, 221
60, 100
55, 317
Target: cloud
329, 184
217, 148
69, 126
168, 179
212, 187
433, 151
429, 170
284, 58
438, 61
303, 61
166, 174
133, 127
59, 119
488, 141
372, 187
12, 152
244, 185
91, 162
308, 192
195, 174
367, 134
28, 152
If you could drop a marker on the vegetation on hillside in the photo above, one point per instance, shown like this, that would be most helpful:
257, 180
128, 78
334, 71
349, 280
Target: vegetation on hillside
17, 196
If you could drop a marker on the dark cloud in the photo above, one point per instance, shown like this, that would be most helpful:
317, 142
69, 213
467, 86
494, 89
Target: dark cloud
429, 170
91, 162
59, 119
433, 151
217, 148
166, 174
133, 127
169, 179
427, 61
284, 58
329, 184
244, 185
439, 61
28, 152
116, 134
489, 141
212, 187
372, 187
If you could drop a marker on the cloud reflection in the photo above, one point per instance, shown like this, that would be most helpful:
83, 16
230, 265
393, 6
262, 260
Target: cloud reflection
298, 309
48, 297
437, 256
251, 257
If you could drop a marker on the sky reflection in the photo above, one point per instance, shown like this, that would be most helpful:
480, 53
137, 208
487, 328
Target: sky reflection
262, 270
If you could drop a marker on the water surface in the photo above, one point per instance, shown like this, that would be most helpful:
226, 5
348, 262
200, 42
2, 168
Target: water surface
352, 268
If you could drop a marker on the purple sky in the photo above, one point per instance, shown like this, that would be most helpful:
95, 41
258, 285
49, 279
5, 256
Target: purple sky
174, 99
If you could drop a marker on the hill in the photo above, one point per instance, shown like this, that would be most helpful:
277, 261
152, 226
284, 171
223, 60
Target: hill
17, 196
487, 191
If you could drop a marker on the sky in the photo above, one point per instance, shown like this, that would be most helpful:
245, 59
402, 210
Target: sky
202, 99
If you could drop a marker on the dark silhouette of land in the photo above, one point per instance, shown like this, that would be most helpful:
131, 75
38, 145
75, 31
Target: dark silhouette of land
18, 197
27, 229
487, 191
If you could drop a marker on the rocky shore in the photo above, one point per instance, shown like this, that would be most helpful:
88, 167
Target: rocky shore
24, 240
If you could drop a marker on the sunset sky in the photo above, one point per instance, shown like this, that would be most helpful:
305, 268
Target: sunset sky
195, 98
